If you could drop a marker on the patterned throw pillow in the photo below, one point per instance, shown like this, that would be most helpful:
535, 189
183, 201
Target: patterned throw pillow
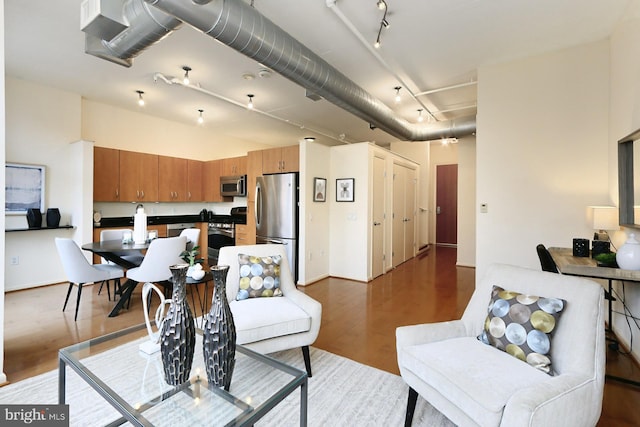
522, 325
259, 276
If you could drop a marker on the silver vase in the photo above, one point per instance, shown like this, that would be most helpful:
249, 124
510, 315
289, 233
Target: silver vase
178, 333
219, 333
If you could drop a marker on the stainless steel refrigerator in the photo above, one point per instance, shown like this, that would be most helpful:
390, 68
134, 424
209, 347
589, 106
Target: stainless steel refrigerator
277, 213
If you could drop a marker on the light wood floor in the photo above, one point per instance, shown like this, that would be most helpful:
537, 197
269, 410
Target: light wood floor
358, 322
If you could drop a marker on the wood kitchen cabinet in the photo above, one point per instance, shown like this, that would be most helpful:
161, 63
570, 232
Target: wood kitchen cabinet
211, 182
138, 177
106, 174
234, 166
172, 179
254, 170
195, 170
281, 159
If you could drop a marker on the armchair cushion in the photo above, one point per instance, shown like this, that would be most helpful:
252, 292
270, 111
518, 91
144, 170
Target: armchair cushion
522, 325
258, 319
259, 276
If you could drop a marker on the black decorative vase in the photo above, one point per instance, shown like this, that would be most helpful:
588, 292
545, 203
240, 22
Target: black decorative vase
34, 218
53, 217
178, 334
219, 333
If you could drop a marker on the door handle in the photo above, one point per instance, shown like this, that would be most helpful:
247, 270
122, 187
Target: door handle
376, 223
438, 210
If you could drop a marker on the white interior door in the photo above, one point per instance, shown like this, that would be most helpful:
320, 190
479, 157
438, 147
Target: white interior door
377, 226
410, 214
397, 217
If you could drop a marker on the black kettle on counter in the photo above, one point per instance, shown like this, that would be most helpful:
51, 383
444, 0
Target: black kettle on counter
204, 215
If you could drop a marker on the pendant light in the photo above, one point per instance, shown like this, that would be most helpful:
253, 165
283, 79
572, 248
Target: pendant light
140, 99
420, 118
250, 103
200, 118
185, 79
398, 97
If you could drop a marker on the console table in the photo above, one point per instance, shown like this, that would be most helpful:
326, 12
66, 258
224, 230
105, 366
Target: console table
588, 267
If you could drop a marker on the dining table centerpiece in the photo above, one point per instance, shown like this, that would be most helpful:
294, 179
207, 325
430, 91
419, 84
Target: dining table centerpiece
191, 257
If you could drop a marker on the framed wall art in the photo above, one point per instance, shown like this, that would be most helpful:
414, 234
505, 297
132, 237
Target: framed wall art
320, 190
345, 189
24, 188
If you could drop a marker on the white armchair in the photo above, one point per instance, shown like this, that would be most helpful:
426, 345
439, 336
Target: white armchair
269, 324
474, 384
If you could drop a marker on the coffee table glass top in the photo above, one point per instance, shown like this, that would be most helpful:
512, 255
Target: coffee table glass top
133, 383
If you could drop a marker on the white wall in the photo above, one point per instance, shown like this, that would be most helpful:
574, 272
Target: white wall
541, 152
41, 124
467, 201
624, 118
314, 221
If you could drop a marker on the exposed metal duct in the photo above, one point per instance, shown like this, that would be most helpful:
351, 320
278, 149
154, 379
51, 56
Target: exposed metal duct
147, 25
243, 28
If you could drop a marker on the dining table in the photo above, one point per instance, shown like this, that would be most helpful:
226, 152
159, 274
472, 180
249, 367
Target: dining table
115, 251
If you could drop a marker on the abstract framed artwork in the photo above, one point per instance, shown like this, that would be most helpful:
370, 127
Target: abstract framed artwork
345, 189
319, 189
24, 188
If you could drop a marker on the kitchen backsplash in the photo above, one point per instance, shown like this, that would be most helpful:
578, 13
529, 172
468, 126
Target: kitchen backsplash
128, 209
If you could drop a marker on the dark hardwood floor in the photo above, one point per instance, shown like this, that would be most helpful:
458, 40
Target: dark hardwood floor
358, 322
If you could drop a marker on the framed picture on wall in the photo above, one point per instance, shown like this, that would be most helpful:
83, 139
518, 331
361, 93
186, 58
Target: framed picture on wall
345, 189
24, 188
320, 190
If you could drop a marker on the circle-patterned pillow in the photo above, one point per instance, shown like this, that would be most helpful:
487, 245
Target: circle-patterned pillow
259, 276
522, 325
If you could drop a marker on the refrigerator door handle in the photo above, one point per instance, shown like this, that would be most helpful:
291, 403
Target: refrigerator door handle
258, 204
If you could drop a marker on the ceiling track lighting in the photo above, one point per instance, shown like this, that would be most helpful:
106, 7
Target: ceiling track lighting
420, 118
382, 5
140, 99
185, 79
398, 97
200, 118
250, 103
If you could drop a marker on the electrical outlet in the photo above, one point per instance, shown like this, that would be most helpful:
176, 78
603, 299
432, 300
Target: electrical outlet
15, 260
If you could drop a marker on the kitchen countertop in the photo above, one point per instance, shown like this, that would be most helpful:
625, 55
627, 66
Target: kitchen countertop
127, 221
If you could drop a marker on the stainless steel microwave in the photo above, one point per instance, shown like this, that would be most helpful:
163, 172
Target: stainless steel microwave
233, 185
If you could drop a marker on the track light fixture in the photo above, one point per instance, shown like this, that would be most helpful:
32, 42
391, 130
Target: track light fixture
140, 99
398, 97
250, 104
200, 118
185, 79
420, 118
382, 5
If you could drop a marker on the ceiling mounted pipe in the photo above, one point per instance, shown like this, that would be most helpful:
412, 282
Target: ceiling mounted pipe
243, 28
147, 25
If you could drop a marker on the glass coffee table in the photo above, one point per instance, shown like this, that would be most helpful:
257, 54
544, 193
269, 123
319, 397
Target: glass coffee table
133, 383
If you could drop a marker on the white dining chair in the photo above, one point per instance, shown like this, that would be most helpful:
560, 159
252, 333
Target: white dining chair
162, 254
134, 257
79, 271
192, 235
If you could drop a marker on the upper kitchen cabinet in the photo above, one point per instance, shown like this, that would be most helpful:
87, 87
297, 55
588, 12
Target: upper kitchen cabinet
172, 179
234, 166
106, 175
195, 175
211, 181
281, 159
254, 169
138, 177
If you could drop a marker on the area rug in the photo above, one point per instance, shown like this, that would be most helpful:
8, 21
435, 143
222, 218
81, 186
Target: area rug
341, 393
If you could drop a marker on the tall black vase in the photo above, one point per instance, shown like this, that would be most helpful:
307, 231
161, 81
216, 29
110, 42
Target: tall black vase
219, 333
178, 333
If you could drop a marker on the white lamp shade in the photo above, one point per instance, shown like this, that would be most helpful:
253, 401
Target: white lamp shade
605, 218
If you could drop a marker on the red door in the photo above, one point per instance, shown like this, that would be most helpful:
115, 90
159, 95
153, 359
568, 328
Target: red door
447, 204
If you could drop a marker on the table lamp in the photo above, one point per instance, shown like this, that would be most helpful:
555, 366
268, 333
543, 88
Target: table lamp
604, 218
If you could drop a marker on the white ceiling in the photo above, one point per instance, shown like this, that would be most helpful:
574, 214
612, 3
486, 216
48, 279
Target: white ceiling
429, 44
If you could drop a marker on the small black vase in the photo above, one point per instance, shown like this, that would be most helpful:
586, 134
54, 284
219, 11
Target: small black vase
219, 333
178, 333
34, 218
53, 217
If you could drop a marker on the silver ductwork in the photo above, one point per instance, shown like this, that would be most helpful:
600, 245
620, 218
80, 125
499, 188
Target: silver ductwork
242, 27
146, 26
